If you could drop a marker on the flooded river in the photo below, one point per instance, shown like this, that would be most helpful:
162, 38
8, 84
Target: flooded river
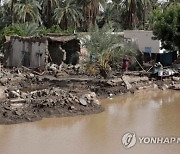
145, 113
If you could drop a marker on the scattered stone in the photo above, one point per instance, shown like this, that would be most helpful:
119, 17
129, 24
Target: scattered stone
114, 82
8, 108
140, 88
132, 79
175, 87
31, 75
61, 74
93, 94
72, 107
34, 100
128, 85
2, 92
23, 95
28, 118
4, 81
175, 78
39, 79
14, 94
70, 99
147, 87
17, 100
96, 102
18, 113
155, 86
166, 86
54, 67
77, 67
1, 75
83, 101
17, 105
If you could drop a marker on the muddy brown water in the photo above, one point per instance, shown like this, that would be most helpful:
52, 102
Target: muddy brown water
148, 113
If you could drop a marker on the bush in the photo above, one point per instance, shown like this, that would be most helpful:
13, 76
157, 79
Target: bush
105, 49
18, 29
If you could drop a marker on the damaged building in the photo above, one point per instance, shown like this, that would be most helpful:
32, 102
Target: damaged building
36, 52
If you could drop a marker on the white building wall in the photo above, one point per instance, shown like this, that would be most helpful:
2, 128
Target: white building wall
143, 39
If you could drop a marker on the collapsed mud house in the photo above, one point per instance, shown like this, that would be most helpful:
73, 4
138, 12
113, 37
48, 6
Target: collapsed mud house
36, 52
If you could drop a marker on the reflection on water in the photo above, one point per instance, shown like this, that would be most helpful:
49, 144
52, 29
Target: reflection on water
146, 113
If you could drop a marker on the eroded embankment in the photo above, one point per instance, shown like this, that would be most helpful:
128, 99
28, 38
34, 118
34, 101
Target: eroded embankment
29, 97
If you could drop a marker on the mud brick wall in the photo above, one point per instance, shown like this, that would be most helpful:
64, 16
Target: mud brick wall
29, 52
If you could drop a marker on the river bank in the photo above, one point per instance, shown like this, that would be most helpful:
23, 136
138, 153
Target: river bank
27, 96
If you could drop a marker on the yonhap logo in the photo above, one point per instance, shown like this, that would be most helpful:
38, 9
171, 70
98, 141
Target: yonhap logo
129, 140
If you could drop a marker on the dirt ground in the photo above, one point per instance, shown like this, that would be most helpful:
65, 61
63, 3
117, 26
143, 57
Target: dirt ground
27, 96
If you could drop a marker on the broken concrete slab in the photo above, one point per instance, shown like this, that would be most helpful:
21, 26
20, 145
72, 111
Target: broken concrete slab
126, 81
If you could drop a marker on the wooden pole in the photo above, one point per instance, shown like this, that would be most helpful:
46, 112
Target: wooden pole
139, 64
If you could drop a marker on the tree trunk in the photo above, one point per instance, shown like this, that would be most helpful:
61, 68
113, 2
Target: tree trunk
12, 11
49, 18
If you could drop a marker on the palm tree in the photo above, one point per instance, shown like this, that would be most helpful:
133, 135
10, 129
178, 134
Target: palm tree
30, 29
48, 7
91, 8
112, 14
134, 12
107, 15
104, 48
130, 8
5, 17
68, 14
148, 6
28, 10
129, 14
11, 6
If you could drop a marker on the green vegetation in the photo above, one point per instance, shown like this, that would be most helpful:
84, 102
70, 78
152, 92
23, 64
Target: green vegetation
39, 17
68, 14
106, 50
29, 29
166, 26
80, 15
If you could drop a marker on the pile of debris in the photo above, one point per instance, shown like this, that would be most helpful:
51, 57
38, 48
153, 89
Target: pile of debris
62, 91
65, 69
22, 106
